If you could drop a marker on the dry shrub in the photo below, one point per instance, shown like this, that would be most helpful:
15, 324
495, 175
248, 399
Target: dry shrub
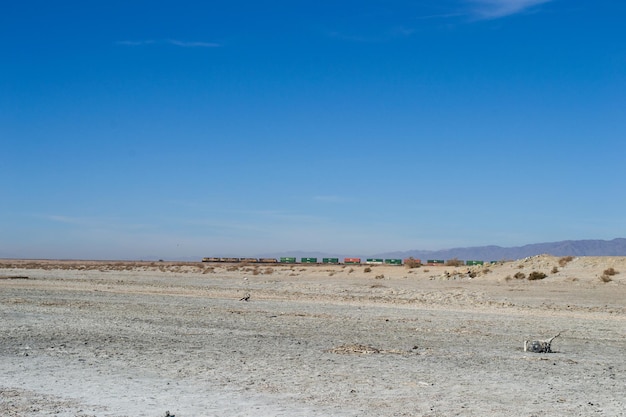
565, 260
209, 270
233, 268
367, 269
268, 271
535, 275
454, 262
426, 270
331, 273
381, 276
610, 272
507, 278
412, 263
350, 270
256, 271
605, 278
519, 275
555, 270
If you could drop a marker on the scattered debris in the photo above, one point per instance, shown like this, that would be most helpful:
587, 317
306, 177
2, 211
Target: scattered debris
245, 298
539, 346
366, 350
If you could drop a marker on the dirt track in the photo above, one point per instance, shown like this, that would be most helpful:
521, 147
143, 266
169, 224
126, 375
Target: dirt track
104, 339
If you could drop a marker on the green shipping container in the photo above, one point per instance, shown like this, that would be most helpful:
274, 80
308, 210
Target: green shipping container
330, 260
473, 263
287, 260
435, 261
373, 261
308, 260
393, 261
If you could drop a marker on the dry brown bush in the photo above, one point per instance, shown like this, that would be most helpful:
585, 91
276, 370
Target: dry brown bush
454, 262
555, 270
565, 260
536, 275
381, 276
412, 263
605, 278
610, 271
367, 269
268, 271
519, 275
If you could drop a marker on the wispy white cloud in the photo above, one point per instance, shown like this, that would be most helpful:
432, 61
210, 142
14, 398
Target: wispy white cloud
184, 44
494, 9
173, 42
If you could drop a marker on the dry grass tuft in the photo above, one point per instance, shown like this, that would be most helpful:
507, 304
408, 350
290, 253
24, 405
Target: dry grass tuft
519, 275
565, 260
367, 269
610, 272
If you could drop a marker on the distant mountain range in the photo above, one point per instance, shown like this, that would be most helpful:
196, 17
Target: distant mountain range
615, 247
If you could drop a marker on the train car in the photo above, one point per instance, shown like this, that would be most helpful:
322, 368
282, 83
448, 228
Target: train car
210, 259
268, 260
249, 260
435, 262
469, 263
229, 259
308, 260
374, 261
287, 260
330, 260
393, 261
352, 261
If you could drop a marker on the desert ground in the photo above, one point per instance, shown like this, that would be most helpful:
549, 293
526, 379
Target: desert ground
90, 338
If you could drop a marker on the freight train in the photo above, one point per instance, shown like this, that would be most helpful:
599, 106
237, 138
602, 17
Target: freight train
336, 261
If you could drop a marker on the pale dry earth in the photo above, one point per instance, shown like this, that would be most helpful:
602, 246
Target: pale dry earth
117, 339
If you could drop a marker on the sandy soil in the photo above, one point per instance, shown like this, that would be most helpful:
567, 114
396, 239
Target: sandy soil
142, 339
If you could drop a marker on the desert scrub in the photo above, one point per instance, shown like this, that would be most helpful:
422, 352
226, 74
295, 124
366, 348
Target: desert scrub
368, 269
565, 260
454, 262
412, 263
610, 272
519, 275
554, 270
268, 271
605, 278
381, 276
535, 275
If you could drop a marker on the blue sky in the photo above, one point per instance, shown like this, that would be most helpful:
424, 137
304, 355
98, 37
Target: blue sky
135, 129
